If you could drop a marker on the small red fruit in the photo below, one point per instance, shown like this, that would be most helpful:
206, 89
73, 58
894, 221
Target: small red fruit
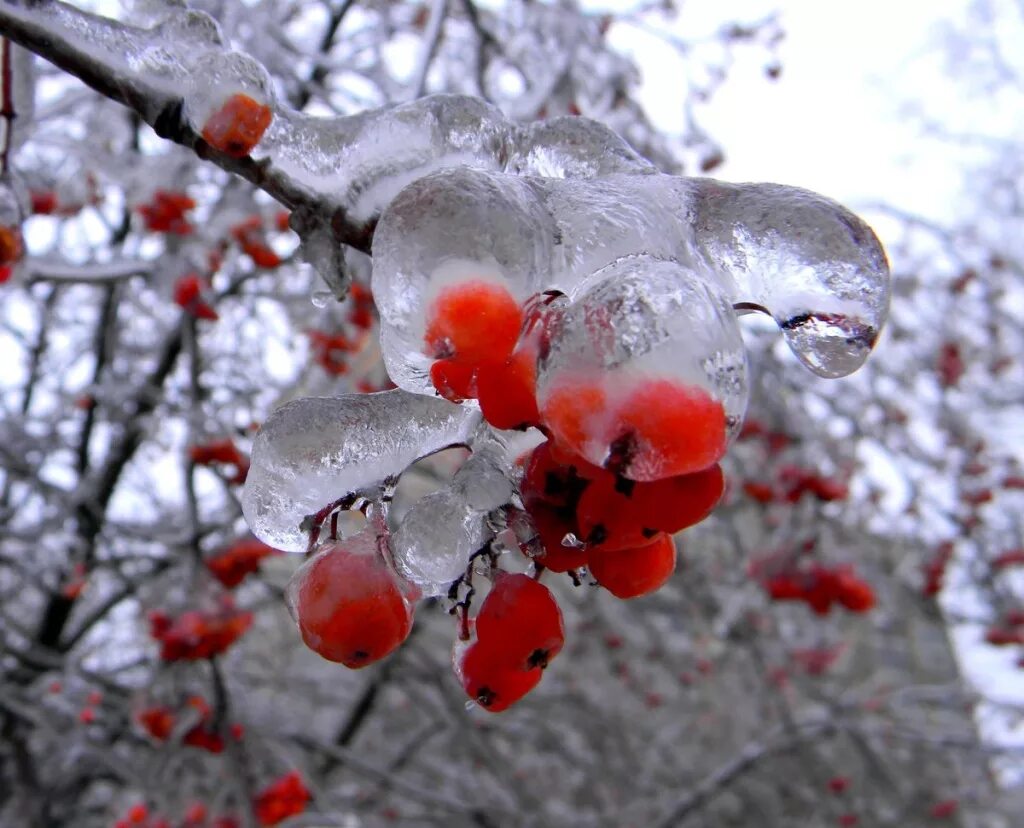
237, 127
552, 526
488, 679
617, 513
281, 799
630, 573
507, 392
521, 620
670, 429
476, 321
350, 607
454, 379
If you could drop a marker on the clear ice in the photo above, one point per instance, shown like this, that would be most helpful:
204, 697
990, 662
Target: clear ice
814, 266
314, 451
433, 543
447, 183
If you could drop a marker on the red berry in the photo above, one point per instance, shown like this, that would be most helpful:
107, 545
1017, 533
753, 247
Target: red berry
630, 573
838, 784
237, 126
281, 799
454, 379
507, 392
520, 618
553, 525
490, 681
351, 608
576, 415
476, 321
669, 429
548, 480
661, 428
240, 559
618, 513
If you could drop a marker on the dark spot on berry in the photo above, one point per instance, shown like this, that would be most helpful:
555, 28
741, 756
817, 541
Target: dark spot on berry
649, 533
360, 655
598, 535
620, 452
486, 696
624, 486
538, 658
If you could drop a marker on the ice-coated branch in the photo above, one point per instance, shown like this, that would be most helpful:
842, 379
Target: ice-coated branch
146, 69
316, 450
334, 173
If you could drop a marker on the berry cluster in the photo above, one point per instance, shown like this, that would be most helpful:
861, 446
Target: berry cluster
231, 565
12, 248
166, 213
199, 634
283, 798
250, 236
159, 722
222, 452
820, 587
191, 292
631, 458
487, 346
519, 630
623, 527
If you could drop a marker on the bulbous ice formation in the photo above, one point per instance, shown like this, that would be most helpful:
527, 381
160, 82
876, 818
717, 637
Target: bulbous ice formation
313, 451
644, 371
641, 319
460, 224
812, 264
436, 538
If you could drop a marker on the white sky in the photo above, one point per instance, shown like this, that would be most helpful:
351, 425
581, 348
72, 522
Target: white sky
832, 123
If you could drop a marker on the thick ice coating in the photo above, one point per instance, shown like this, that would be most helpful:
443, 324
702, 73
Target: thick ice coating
642, 319
645, 370
432, 545
816, 267
312, 451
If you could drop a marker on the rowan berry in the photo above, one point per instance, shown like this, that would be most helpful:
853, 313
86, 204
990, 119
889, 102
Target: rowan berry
237, 126
350, 607
630, 573
520, 618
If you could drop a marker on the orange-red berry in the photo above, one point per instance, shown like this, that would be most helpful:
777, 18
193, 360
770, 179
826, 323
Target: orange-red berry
488, 679
520, 618
351, 608
476, 321
237, 127
630, 573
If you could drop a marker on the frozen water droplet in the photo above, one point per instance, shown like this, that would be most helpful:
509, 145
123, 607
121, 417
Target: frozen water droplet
216, 76
818, 269
321, 298
460, 224
321, 250
642, 319
313, 451
432, 545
